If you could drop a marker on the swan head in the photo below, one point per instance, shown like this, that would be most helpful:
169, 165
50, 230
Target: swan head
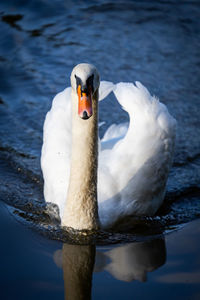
85, 82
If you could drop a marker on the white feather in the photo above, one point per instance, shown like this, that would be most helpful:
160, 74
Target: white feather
134, 160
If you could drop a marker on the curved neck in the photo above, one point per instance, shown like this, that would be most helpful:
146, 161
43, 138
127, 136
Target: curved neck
81, 210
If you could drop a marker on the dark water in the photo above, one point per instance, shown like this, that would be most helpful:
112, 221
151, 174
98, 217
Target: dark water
155, 42
33, 267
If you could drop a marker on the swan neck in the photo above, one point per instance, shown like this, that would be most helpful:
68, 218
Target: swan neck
81, 211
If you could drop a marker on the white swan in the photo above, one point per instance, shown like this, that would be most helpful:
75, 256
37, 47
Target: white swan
133, 161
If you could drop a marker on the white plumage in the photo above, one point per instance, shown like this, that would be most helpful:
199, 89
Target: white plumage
134, 158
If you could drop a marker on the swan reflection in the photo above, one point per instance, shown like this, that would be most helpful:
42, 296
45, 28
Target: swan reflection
125, 262
78, 263
132, 261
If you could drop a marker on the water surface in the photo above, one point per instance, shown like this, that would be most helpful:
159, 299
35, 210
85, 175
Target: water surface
155, 42
33, 266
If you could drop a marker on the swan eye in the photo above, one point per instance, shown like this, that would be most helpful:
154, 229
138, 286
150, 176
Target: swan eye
89, 82
78, 81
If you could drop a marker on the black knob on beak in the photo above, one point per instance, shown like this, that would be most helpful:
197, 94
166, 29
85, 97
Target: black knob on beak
85, 115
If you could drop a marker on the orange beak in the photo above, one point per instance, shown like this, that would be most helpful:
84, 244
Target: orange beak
84, 103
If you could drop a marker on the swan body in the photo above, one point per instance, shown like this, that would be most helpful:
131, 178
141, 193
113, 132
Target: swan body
131, 162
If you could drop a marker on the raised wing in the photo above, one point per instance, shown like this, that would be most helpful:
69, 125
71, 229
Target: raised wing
105, 88
133, 174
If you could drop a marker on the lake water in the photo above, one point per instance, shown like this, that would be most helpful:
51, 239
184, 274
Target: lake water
34, 267
155, 42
